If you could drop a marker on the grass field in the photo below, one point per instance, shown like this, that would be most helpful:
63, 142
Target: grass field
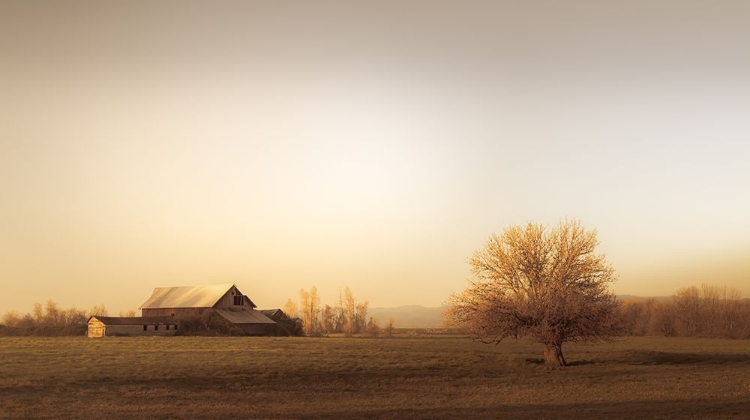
338, 378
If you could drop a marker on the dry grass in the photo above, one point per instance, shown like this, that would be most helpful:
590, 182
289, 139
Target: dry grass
419, 378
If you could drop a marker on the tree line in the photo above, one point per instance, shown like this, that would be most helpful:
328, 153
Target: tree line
50, 319
348, 316
708, 311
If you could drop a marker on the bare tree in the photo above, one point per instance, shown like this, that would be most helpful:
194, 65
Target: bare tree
128, 314
663, 319
11, 319
37, 313
290, 309
99, 310
373, 327
327, 319
388, 329
546, 284
52, 313
310, 307
73, 316
340, 322
730, 314
361, 317
350, 310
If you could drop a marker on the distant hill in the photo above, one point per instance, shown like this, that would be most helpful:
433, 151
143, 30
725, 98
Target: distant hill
411, 316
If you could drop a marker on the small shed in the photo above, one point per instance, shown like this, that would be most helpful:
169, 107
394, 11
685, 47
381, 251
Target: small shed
275, 314
103, 326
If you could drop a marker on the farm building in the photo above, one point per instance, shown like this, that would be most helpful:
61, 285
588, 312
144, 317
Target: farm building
165, 308
275, 314
194, 300
225, 300
284, 324
102, 326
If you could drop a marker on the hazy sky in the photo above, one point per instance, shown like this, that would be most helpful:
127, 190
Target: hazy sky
374, 145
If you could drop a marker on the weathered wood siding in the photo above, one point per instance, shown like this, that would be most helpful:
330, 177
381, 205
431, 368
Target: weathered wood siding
95, 329
175, 312
227, 301
98, 329
132, 330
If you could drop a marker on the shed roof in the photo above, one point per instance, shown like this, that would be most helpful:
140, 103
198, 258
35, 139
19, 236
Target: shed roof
151, 320
275, 314
244, 316
187, 296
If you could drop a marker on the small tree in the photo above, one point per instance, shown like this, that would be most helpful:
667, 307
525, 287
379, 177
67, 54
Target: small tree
546, 284
389, 328
290, 309
373, 327
310, 307
350, 311
99, 310
327, 319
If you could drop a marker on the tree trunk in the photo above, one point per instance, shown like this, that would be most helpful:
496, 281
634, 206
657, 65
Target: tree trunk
553, 356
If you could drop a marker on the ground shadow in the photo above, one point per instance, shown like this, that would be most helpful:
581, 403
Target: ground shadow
539, 361
640, 357
717, 408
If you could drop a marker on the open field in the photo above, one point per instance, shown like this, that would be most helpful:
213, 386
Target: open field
403, 377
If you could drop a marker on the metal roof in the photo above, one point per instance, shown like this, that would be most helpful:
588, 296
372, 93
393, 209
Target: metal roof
186, 296
274, 314
150, 320
244, 316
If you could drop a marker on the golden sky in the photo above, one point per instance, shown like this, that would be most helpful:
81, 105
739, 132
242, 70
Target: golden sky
372, 145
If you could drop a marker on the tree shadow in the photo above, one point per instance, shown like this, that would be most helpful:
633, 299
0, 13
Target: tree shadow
643, 357
540, 361
585, 362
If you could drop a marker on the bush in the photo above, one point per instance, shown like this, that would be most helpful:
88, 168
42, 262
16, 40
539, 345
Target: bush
208, 324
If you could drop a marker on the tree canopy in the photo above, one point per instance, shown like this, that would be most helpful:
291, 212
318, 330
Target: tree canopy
547, 284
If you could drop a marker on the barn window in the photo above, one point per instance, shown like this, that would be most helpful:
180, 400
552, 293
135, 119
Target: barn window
167, 327
145, 328
238, 300
175, 327
156, 328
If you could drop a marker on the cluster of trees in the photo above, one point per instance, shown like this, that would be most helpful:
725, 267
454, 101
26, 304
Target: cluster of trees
708, 311
348, 317
50, 319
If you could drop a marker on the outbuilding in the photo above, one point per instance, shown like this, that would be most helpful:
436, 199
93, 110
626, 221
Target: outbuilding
108, 326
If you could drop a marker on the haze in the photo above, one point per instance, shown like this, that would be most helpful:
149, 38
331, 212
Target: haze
373, 145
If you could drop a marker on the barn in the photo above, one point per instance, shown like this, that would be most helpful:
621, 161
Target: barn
167, 305
225, 300
102, 326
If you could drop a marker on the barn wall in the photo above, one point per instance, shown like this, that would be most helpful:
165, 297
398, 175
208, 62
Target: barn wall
227, 301
115, 330
176, 312
95, 329
98, 329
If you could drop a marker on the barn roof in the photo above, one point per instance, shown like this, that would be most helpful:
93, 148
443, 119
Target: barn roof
275, 314
187, 296
244, 316
116, 320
